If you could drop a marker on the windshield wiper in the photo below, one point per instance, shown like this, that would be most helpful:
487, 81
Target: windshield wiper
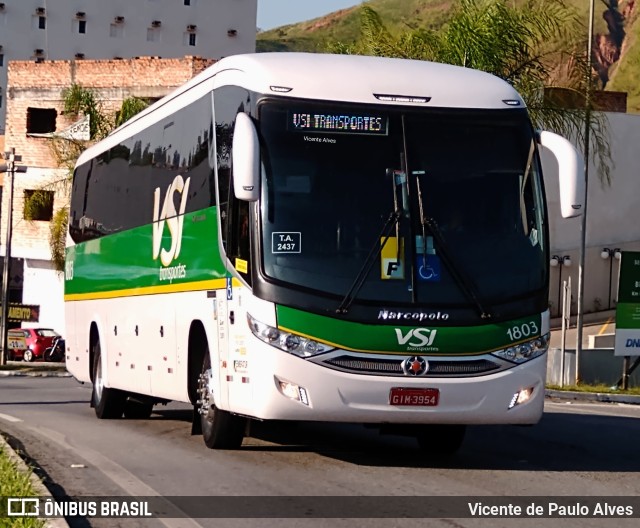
461, 279
400, 209
392, 221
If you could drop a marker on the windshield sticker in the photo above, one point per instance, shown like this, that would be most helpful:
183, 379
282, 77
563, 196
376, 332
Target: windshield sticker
242, 265
391, 260
319, 139
286, 242
428, 267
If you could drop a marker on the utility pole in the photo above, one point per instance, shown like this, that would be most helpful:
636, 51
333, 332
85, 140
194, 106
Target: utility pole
583, 230
10, 168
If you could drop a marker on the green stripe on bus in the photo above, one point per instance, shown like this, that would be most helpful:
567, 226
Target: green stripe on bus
123, 263
421, 338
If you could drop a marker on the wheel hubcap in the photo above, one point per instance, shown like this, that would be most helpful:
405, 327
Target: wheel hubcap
204, 391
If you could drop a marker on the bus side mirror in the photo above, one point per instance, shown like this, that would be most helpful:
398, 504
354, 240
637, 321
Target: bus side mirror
570, 172
246, 159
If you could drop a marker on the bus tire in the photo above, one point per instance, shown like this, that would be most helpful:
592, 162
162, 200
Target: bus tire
107, 403
220, 429
440, 440
136, 410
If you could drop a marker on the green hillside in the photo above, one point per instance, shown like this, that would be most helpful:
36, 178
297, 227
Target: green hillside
400, 15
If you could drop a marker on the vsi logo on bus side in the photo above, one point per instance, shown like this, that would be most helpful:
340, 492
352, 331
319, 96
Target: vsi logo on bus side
417, 338
174, 221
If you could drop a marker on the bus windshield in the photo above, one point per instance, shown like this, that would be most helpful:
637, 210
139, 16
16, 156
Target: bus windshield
465, 187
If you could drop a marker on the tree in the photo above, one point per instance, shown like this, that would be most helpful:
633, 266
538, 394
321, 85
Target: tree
77, 101
534, 45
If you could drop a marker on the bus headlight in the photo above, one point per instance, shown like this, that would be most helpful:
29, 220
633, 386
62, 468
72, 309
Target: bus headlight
289, 342
524, 351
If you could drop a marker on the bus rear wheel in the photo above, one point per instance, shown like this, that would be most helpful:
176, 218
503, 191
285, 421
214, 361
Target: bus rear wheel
440, 440
220, 429
108, 403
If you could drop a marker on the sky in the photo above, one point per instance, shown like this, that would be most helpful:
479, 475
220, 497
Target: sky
274, 13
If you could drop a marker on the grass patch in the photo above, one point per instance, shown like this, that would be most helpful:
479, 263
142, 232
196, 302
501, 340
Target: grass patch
604, 389
13, 483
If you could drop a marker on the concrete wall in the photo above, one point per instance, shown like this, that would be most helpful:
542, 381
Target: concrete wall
613, 219
597, 366
44, 286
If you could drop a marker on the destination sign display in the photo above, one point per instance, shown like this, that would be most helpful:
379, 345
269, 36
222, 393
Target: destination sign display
339, 123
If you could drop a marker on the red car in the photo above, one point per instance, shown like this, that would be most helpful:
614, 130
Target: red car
37, 340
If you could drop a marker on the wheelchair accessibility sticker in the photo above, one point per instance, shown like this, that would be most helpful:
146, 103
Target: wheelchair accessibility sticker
428, 267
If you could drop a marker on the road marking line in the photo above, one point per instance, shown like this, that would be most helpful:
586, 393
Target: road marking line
9, 418
116, 473
604, 326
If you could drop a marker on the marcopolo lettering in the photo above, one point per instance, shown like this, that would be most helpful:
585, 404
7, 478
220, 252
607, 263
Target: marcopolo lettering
412, 316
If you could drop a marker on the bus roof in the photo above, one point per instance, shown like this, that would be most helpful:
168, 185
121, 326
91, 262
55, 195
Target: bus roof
349, 78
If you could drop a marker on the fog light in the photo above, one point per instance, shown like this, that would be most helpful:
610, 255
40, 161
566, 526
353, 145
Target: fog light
520, 397
293, 391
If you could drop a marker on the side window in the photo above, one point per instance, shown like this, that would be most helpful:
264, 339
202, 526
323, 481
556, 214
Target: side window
235, 215
115, 191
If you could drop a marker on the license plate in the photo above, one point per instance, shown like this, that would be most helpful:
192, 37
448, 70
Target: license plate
414, 397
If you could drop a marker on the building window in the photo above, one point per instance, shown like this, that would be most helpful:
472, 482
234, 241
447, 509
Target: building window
39, 22
116, 30
1, 59
153, 34
38, 205
41, 120
82, 26
190, 39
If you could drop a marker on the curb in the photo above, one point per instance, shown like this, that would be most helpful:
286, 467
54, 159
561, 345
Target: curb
42, 369
37, 485
593, 397
34, 374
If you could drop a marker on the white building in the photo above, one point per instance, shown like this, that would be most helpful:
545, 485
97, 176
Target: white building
107, 29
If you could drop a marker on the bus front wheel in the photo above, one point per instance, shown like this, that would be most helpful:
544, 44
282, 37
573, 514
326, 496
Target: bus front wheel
108, 403
440, 440
220, 429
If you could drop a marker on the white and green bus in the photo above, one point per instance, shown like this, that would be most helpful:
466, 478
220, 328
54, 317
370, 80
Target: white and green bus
314, 237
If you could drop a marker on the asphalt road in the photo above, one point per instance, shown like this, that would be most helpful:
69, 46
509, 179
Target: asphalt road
576, 450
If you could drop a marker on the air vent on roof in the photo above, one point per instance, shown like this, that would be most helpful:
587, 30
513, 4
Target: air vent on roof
156, 23
232, 32
80, 14
38, 51
118, 19
192, 27
79, 55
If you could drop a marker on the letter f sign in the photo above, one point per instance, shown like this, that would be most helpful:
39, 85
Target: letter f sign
173, 219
